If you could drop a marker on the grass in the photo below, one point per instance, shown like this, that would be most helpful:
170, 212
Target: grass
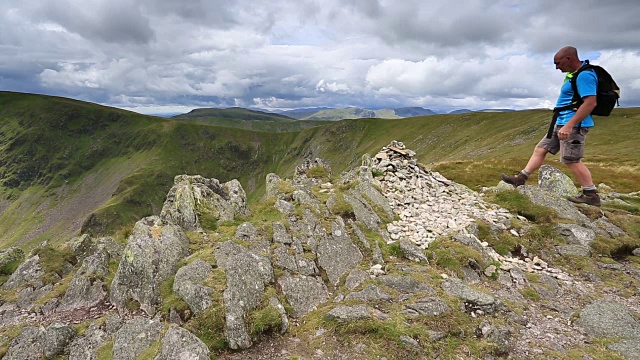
318, 172
522, 205
341, 207
208, 326
617, 248
105, 352
530, 293
53, 262
453, 256
171, 300
265, 319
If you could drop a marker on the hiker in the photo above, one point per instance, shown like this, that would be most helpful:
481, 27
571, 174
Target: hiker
571, 127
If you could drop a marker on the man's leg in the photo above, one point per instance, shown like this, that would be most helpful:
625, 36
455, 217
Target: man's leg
572, 153
535, 161
589, 191
582, 174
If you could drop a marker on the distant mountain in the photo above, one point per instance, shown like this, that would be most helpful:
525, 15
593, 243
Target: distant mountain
359, 113
165, 115
302, 113
460, 111
414, 111
233, 113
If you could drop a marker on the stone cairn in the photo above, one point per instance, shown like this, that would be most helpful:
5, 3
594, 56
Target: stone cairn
428, 204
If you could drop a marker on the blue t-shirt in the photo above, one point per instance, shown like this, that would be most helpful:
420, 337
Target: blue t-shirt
587, 82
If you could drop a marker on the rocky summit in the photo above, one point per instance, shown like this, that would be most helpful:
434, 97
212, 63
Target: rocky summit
387, 260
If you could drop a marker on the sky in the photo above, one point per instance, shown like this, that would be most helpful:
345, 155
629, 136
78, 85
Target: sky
169, 56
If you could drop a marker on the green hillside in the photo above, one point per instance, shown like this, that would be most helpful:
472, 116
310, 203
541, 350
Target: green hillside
67, 165
234, 113
265, 126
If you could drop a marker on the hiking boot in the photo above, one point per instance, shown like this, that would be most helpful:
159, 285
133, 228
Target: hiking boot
589, 197
516, 180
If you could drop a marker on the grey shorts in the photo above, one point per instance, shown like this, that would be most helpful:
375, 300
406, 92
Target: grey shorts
571, 150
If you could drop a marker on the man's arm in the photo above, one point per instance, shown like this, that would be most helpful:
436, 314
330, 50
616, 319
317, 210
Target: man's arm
588, 104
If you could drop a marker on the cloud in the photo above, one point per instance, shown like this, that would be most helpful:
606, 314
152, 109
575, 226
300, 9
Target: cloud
150, 54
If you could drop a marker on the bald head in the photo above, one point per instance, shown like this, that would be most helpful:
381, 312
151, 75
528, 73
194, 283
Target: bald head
566, 59
568, 51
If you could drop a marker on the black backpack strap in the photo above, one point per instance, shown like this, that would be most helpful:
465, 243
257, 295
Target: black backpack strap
577, 99
556, 113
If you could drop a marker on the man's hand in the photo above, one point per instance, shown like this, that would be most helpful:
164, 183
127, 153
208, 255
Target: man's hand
563, 133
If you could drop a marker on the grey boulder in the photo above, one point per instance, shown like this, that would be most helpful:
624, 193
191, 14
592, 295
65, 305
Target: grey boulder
150, 258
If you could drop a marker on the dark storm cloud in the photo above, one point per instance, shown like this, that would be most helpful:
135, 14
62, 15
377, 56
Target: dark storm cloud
150, 54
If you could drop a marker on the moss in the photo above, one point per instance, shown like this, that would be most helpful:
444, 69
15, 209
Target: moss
522, 205
377, 173
618, 248
264, 320
170, 299
285, 187
452, 255
208, 326
208, 220
393, 249
132, 305
53, 262
318, 172
113, 269
341, 207
151, 352
105, 352
530, 294
10, 267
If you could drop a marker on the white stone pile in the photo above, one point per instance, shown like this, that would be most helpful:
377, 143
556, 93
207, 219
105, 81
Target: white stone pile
429, 205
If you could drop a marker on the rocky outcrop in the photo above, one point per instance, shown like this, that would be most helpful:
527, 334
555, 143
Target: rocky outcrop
88, 289
193, 197
97, 335
28, 345
135, 336
29, 272
475, 301
150, 258
357, 312
555, 181
57, 337
189, 285
360, 252
303, 293
427, 306
608, 319
179, 343
85, 246
247, 275
337, 254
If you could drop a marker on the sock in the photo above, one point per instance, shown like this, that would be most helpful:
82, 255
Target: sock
525, 173
589, 188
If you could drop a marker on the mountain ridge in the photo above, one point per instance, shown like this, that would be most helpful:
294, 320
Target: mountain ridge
52, 146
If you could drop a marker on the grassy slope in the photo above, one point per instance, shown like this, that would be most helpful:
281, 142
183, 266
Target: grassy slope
75, 143
235, 113
264, 125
